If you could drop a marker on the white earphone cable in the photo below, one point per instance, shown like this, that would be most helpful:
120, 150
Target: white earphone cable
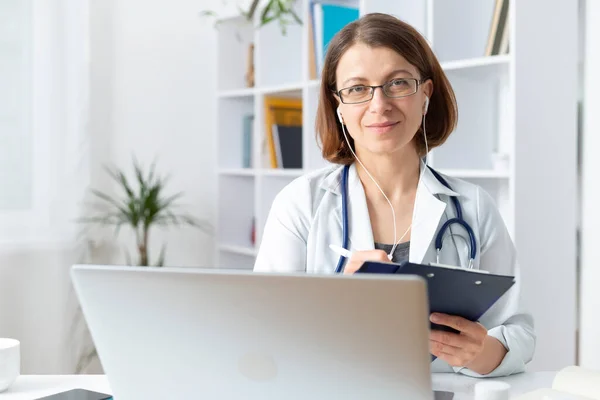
415, 207
396, 242
390, 256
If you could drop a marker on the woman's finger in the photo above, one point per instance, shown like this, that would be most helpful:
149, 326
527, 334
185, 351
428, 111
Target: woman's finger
359, 257
460, 324
450, 338
436, 348
455, 360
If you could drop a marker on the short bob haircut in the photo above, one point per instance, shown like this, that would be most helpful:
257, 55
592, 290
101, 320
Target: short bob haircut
382, 30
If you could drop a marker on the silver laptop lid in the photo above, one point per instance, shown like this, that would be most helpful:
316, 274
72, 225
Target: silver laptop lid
222, 334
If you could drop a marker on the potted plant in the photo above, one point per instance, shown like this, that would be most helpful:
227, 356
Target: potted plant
143, 204
273, 10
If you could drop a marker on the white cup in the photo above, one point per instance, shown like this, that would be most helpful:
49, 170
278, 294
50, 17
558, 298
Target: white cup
492, 390
10, 362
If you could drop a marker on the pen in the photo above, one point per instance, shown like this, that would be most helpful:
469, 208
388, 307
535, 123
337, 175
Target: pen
341, 251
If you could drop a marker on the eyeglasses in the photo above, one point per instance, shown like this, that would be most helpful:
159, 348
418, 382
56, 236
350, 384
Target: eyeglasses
394, 89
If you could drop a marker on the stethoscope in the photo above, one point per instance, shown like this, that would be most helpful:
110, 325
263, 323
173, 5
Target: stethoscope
440, 235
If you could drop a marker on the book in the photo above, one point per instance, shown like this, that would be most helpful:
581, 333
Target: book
498, 35
327, 19
288, 145
280, 111
248, 121
570, 383
312, 63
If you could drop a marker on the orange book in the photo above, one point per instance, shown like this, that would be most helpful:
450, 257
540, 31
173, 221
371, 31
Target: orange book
280, 111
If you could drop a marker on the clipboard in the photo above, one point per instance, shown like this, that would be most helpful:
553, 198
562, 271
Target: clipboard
467, 293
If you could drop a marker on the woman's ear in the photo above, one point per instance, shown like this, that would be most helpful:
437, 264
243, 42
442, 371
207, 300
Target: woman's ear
339, 114
427, 90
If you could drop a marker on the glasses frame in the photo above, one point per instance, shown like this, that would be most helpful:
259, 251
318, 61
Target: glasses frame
373, 87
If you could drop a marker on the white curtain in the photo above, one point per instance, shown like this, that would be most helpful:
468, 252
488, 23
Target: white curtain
45, 173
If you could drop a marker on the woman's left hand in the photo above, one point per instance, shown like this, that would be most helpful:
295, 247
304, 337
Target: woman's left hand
457, 349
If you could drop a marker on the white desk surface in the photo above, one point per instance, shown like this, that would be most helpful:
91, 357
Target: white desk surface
29, 387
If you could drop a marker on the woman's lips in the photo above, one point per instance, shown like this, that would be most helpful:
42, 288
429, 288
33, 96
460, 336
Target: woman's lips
382, 127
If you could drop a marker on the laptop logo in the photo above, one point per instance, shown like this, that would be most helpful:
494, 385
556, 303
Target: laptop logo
257, 366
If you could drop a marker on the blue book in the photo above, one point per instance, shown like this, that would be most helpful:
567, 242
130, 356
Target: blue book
334, 19
248, 121
328, 20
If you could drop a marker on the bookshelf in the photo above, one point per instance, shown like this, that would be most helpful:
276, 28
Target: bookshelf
281, 69
515, 137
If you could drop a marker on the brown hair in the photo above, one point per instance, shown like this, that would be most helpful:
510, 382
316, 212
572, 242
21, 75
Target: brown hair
382, 30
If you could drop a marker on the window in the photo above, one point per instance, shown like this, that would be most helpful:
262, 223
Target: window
16, 172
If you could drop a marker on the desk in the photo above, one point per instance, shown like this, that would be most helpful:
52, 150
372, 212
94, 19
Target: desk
28, 387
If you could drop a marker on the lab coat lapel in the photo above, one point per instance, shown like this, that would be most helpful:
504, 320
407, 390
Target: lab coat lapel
428, 211
359, 221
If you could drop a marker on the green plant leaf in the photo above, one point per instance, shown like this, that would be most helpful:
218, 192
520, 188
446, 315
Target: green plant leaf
152, 169
127, 257
161, 256
208, 13
267, 20
250, 14
122, 179
295, 16
109, 199
265, 11
140, 207
164, 204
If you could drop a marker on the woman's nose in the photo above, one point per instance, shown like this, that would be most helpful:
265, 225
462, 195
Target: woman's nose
380, 102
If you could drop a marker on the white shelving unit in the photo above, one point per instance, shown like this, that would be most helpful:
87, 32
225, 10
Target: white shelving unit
281, 69
505, 103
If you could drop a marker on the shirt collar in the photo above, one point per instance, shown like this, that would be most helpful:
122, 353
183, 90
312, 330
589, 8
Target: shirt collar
333, 180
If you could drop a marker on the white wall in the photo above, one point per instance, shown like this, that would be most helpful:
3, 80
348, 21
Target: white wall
589, 346
152, 90
38, 245
34, 290
151, 93
152, 96
545, 189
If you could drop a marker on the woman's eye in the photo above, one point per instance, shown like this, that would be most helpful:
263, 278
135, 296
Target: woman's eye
399, 82
357, 89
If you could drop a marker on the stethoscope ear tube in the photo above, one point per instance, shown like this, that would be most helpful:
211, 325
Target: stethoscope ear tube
440, 236
345, 234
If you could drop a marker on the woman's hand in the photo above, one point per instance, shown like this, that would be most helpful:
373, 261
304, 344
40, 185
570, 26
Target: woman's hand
359, 257
471, 348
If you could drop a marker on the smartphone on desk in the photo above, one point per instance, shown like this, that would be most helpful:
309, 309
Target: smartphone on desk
78, 394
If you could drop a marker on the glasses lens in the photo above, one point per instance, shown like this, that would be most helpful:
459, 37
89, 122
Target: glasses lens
401, 87
356, 94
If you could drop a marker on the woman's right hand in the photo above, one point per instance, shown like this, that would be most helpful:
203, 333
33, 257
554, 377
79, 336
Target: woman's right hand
359, 257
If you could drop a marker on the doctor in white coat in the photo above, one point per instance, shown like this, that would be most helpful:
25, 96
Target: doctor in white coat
384, 102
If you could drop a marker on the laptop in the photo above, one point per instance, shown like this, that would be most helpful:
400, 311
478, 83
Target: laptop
188, 333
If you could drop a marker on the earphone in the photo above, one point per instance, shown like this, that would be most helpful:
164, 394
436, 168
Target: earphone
391, 254
339, 114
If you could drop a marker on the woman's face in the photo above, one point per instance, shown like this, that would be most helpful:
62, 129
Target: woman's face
383, 125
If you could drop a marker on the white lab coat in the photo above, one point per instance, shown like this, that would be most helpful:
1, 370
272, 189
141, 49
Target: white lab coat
305, 218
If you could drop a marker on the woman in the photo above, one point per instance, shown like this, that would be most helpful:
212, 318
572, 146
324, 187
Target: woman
384, 102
